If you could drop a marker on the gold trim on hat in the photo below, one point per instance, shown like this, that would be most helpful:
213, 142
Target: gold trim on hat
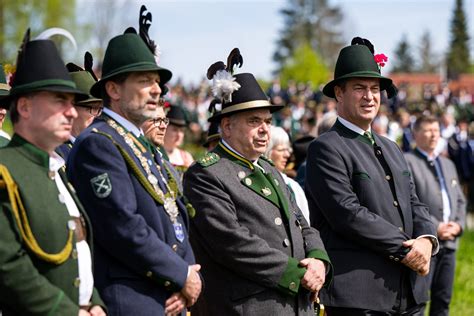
246, 105
4, 86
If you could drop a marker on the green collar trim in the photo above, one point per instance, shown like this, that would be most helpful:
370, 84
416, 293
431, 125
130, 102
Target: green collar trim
224, 151
348, 133
38, 156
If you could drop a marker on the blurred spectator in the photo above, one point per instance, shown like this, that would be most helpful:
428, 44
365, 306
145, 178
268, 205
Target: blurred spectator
279, 151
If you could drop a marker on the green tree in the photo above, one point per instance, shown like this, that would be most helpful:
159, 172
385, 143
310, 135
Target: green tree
304, 66
16, 16
457, 60
314, 22
404, 61
428, 63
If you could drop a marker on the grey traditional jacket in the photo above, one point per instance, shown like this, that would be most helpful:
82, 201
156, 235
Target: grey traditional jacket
249, 236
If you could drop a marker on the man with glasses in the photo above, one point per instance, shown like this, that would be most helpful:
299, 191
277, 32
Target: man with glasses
144, 264
258, 254
86, 110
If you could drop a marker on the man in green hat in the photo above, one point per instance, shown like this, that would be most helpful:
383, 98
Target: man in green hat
87, 109
362, 199
144, 264
258, 254
4, 88
45, 236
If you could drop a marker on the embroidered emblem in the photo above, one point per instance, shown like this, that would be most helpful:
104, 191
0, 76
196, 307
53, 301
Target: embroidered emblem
266, 191
101, 185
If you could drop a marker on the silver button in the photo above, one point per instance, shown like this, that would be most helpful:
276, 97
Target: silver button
395, 203
61, 198
391, 257
248, 181
286, 242
241, 174
388, 177
278, 221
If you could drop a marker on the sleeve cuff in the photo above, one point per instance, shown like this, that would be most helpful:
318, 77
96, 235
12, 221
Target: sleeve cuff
323, 256
290, 281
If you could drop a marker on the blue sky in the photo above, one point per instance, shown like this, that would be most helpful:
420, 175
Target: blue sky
194, 34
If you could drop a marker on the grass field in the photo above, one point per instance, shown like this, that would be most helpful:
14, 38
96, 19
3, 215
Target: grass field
462, 303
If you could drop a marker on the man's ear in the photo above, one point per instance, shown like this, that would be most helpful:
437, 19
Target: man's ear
113, 90
24, 106
225, 126
338, 92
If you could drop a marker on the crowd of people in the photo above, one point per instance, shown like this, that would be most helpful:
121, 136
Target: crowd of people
340, 201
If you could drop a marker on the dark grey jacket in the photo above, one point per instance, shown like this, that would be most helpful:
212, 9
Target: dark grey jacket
429, 191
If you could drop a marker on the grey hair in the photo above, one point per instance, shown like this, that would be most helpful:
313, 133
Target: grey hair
278, 136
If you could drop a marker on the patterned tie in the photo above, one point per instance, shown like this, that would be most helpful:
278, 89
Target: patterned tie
370, 137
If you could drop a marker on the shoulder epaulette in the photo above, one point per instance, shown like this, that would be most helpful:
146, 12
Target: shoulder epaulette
209, 159
267, 160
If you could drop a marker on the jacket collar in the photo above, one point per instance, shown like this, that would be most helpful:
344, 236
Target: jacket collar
30, 151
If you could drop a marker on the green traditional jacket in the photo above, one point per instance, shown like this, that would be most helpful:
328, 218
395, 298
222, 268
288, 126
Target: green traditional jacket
29, 285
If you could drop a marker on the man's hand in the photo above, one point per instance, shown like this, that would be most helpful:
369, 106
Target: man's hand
192, 287
175, 304
454, 229
315, 274
419, 256
97, 310
83, 312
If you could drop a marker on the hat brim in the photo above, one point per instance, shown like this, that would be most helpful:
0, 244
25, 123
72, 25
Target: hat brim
243, 107
78, 95
180, 123
165, 76
385, 82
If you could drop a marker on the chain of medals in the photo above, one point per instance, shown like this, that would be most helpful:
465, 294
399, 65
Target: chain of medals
168, 200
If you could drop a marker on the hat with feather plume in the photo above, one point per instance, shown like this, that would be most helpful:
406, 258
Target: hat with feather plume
235, 93
39, 67
357, 61
84, 77
131, 52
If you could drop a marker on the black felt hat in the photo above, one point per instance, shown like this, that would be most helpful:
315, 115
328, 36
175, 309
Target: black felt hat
40, 68
357, 61
177, 116
236, 93
212, 133
131, 52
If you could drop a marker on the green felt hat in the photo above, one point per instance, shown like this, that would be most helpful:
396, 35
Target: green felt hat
40, 68
84, 78
356, 61
4, 87
127, 53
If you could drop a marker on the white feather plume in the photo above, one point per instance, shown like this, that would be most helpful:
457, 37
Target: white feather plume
57, 31
223, 85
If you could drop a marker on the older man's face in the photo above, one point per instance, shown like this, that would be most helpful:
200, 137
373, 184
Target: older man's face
248, 132
155, 128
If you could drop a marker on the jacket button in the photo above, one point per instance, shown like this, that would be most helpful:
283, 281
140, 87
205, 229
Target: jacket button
388, 177
391, 257
293, 286
395, 203
77, 282
401, 229
396, 259
175, 247
286, 242
278, 221
167, 283
149, 274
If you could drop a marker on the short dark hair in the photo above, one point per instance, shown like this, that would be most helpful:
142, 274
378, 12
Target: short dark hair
119, 79
424, 119
341, 84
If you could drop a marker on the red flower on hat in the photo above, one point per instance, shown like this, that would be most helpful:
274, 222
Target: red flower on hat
380, 59
166, 104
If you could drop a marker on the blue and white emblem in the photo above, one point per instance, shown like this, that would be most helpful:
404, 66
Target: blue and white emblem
101, 185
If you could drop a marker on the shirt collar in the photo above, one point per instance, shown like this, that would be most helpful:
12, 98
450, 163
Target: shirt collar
124, 122
55, 162
351, 126
425, 154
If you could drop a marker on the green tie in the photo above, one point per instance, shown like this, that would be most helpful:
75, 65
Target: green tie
370, 137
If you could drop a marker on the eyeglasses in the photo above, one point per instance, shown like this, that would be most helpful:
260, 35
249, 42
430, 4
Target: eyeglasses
161, 120
93, 110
